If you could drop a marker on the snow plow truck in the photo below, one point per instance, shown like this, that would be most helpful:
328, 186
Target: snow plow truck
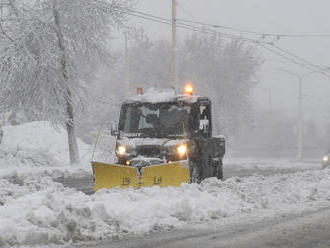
163, 139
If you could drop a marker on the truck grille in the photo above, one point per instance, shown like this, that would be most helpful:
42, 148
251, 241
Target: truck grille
148, 151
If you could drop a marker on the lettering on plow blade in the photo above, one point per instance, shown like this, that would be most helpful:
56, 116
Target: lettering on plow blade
114, 175
173, 174
126, 181
157, 180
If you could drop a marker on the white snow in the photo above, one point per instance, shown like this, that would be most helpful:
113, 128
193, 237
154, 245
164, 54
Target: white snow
38, 146
39, 136
36, 210
155, 95
270, 164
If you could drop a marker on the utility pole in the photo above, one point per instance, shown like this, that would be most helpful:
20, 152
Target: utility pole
300, 78
127, 71
300, 119
173, 63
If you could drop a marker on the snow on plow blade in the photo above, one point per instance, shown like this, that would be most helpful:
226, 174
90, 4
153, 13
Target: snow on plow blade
112, 175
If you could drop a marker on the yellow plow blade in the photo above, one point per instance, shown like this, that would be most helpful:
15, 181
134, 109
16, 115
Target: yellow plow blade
163, 175
112, 175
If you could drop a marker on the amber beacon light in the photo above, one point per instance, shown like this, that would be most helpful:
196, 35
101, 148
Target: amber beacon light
189, 89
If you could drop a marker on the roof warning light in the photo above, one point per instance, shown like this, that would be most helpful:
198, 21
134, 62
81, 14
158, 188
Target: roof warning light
139, 91
188, 89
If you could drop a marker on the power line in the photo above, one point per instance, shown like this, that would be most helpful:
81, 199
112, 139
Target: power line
288, 58
224, 27
197, 29
303, 62
186, 11
305, 35
277, 36
298, 57
189, 27
264, 35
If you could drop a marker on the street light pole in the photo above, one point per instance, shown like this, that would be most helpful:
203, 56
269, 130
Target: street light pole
300, 119
300, 78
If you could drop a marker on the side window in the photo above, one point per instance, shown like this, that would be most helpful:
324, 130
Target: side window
205, 120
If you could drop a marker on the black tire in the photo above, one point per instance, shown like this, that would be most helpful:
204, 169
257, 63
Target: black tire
196, 172
218, 170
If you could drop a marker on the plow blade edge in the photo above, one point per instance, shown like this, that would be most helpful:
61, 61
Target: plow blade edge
113, 175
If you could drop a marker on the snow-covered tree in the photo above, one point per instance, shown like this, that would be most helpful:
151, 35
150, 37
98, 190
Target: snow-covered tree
48, 50
150, 63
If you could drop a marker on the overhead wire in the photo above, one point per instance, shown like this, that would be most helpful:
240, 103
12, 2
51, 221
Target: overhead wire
280, 35
297, 57
264, 35
294, 58
188, 26
186, 11
269, 49
224, 27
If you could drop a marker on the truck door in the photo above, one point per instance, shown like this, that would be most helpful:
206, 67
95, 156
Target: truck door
203, 138
205, 121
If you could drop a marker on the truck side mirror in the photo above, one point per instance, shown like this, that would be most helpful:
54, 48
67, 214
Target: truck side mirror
114, 129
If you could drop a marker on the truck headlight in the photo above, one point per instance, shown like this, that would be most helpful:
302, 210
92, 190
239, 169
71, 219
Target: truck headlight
121, 149
325, 159
182, 149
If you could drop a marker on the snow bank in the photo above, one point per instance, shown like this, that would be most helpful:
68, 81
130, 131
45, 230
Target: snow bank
269, 164
37, 211
39, 136
36, 146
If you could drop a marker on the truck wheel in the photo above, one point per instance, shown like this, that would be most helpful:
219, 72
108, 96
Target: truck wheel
196, 172
219, 170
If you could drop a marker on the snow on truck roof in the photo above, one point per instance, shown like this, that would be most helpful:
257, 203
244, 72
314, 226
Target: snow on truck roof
154, 95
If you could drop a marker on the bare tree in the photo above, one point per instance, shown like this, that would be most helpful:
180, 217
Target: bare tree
48, 48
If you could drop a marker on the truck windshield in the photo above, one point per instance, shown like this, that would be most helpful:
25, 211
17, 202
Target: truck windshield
163, 120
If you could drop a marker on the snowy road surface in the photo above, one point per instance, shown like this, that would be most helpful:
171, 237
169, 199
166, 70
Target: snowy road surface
310, 229
36, 210
233, 169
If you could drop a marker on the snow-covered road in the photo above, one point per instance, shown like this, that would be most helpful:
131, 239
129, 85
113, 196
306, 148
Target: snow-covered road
35, 209
309, 229
84, 182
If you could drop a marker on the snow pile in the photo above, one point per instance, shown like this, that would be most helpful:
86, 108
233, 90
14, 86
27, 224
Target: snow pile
269, 164
37, 146
14, 186
155, 95
39, 136
27, 158
36, 211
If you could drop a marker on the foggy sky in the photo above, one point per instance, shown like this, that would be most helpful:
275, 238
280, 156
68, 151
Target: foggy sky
265, 16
